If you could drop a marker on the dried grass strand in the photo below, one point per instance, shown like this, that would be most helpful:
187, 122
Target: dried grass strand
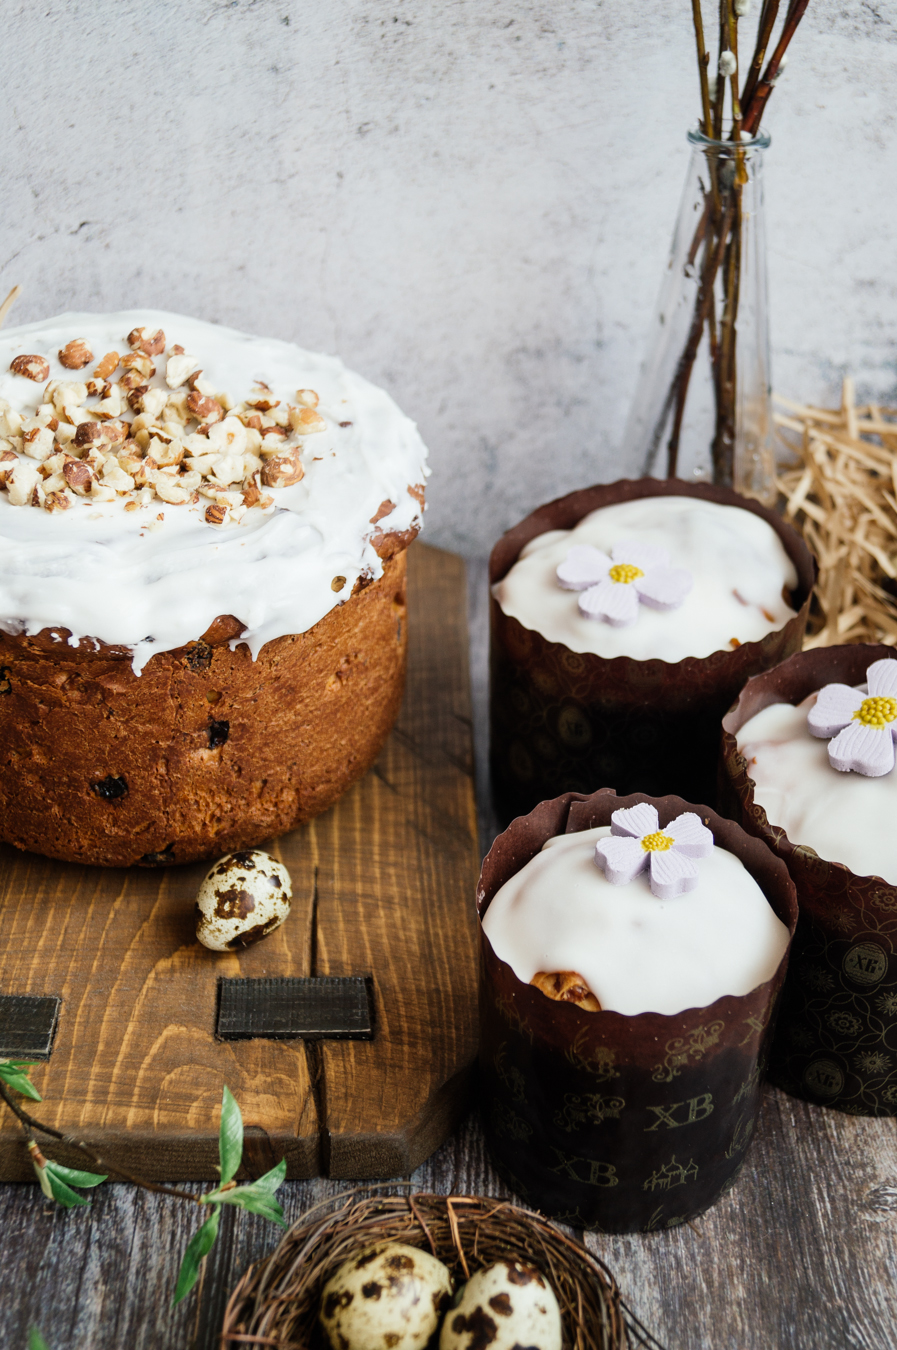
841, 492
276, 1302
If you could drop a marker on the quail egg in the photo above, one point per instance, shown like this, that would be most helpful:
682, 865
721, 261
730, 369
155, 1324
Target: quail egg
386, 1298
243, 898
506, 1305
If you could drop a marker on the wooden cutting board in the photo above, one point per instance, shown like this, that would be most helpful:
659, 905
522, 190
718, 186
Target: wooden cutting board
383, 887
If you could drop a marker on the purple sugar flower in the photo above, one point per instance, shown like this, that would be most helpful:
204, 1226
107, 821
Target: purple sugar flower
637, 842
611, 587
864, 726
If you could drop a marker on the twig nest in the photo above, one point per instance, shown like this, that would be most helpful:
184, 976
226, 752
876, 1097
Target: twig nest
504, 1306
386, 1298
243, 898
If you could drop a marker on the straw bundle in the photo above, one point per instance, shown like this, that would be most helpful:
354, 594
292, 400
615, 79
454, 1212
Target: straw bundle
842, 495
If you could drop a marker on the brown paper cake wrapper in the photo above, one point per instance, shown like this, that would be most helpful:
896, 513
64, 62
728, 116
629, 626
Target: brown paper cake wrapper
564, 721
836, 1043
612, 1122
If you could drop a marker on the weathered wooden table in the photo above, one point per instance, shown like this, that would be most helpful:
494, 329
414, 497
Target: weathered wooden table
802, 1253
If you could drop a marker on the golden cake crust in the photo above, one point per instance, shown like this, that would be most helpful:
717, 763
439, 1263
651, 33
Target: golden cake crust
206, 750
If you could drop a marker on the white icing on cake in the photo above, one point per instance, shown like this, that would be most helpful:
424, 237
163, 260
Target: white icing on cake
151, 584
726, 549
845, 817
635, 952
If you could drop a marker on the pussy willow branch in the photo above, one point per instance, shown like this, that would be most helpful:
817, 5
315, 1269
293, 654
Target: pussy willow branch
713, 254
732, 26
768, 16
765, 85
29, 1123
747, 112
703, 60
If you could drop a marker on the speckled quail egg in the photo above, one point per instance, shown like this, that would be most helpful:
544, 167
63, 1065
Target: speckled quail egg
386, 1298
243, 899
504, 1306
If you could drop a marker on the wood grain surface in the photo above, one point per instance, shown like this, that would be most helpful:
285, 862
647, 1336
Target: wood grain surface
800, 1255
383, 886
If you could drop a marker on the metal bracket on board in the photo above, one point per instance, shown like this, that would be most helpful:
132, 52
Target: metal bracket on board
309, 1008
28, 1025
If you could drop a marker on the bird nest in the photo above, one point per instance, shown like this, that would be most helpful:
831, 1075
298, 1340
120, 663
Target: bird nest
277, 1301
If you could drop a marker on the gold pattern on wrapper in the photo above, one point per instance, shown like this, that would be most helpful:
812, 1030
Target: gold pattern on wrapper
680, 1051
589, 1108
672, 1174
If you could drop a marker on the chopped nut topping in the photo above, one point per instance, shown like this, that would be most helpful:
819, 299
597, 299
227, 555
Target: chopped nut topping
107, 366
142, 339
142, 441
79, 476
283, 470
35, 368
178, 367
306, 420
75, 354
204, 408
137, 361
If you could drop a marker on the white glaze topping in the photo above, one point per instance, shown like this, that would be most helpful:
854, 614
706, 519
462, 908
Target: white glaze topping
155, 578
635, 952
845, 817
730, 553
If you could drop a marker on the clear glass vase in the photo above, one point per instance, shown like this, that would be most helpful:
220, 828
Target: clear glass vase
702, 405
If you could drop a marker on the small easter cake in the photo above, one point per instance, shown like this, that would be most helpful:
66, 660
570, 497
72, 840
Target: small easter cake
691, 925
823, 770
622, 632
809, 753
663, 577
633, 950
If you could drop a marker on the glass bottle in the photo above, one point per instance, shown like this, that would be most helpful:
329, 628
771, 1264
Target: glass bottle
702, 404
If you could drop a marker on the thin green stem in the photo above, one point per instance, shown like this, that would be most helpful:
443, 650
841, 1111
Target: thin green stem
29, 1121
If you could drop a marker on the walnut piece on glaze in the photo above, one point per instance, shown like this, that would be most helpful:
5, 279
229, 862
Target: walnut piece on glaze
146, 341
75, 354
566, 986
139, 361
35, 368
178, 367
305, 421
107, 366
283, 470
204, 408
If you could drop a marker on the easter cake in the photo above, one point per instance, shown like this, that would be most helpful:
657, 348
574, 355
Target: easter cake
202, 584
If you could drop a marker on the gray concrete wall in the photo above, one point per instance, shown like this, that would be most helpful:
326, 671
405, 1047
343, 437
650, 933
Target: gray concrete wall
469, 200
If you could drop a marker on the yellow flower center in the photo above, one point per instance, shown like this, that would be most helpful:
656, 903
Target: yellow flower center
876, 712
658, 842
625, 572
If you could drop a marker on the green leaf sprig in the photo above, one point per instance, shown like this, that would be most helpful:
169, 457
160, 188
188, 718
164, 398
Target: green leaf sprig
57, 1181
11, 1073
256, 1196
